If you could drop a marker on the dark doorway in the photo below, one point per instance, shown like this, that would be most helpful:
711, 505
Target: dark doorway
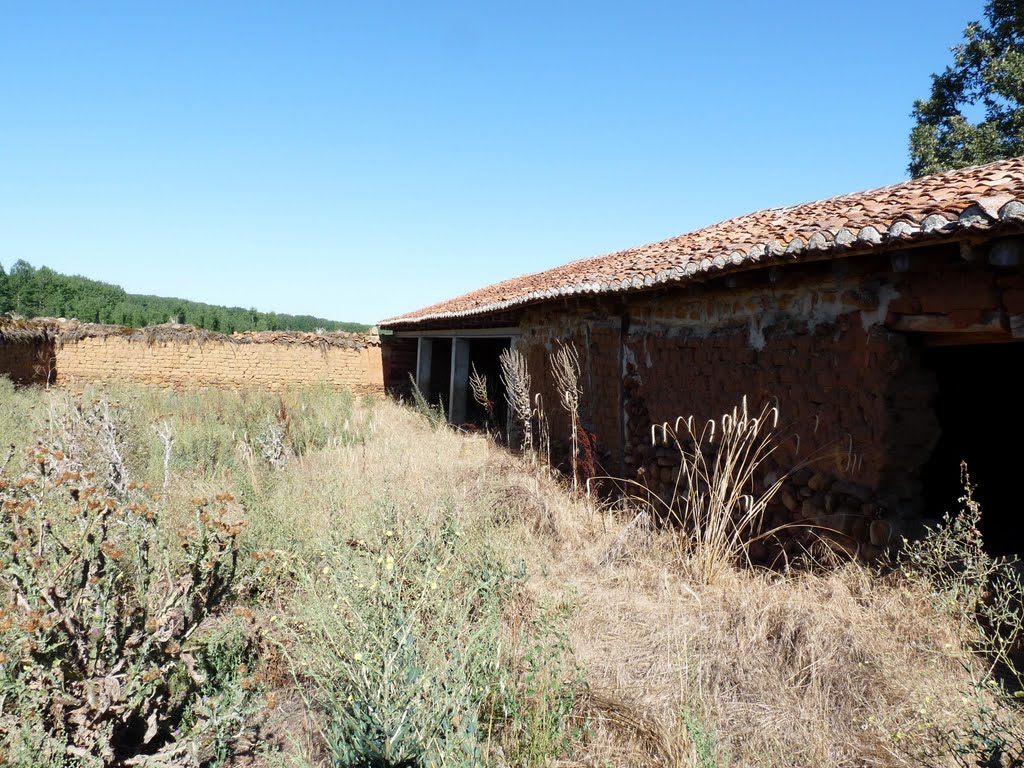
981, 415
484, 358
441, 373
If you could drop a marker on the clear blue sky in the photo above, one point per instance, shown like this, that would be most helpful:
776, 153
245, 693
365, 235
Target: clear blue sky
355, 161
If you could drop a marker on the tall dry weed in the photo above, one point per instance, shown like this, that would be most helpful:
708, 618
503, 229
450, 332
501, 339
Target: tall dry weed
718, 500
565, 368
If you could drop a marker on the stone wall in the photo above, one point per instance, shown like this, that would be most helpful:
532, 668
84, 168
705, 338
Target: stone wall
212, 363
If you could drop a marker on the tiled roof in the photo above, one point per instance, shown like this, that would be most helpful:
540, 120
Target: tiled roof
923, 209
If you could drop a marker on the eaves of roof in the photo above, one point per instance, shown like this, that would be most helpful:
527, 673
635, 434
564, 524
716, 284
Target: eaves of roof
945, 206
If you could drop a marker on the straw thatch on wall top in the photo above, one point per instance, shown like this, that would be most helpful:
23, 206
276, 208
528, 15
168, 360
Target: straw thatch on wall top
14, 330
17, 330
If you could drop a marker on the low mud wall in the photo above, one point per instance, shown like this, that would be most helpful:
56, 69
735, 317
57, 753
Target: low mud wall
25, 362
219, 364
176, 357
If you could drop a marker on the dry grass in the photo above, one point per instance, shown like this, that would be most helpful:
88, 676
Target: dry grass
835, 668
838, 668
816, 669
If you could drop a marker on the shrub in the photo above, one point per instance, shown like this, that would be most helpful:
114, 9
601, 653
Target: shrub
433, 414
984, 597
400, 641
104, 625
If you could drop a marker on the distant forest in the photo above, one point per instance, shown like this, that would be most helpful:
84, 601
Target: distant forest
42, 292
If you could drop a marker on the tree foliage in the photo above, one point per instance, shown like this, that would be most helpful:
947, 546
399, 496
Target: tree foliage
986, 80
42, 292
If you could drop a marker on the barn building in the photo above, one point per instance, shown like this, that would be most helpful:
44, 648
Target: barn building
885, 324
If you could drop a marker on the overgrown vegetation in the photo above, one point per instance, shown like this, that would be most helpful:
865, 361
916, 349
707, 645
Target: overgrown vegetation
983, 597
114, 632
406, 595
42, 292
184, 567
714, 503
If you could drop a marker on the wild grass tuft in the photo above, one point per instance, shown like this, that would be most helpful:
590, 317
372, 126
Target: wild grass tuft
718, 501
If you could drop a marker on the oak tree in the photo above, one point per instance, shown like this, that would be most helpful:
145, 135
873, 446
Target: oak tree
975, 113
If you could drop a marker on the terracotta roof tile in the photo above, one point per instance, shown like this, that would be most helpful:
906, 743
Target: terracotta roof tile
921, 209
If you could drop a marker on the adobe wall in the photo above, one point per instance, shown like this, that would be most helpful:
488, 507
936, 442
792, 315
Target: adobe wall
184, 364
27, 362
398, 362
837, 346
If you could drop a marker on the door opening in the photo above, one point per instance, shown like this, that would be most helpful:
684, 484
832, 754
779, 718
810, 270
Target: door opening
980, 408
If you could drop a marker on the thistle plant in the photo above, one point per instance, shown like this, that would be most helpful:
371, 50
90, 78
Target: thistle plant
101, 620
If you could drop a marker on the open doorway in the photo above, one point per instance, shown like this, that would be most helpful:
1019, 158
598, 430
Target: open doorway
444, 365
980, 413
439, 385
484, 357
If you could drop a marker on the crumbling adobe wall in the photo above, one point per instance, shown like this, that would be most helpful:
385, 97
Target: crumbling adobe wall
596, 337
26, 362
211, 363
836, 346
398, 357
851, 402
850, 392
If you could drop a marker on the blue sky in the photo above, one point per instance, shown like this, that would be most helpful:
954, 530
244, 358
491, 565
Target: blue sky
355, 161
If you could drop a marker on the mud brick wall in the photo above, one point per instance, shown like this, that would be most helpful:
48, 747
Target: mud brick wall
399, 361
838, 345
27, 362
956, 297
840, 390
596, 338
850, 393
185, 364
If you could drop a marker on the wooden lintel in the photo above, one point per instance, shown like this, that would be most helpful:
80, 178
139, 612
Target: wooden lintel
991, 322
468, 333
964, 339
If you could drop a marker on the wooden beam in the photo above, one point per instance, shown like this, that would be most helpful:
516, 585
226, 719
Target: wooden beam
466, 333
991, 322
966, 339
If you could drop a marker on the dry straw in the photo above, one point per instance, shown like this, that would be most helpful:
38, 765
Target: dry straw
478, 386
565, 367
715, 500
516, 377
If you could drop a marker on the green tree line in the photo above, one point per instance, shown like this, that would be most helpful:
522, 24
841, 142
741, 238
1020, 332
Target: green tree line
42, 292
